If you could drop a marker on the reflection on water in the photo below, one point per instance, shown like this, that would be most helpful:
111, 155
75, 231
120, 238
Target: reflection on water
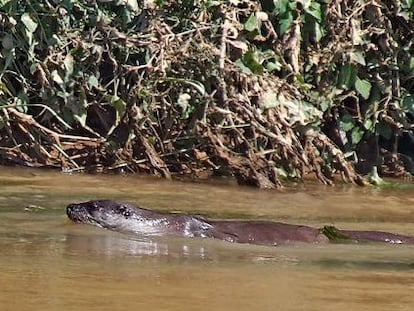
114, 245
48, 263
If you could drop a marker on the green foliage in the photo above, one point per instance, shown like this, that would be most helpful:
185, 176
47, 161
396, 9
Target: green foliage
347, 76
363, 51
363, 87
62, 54
286, 11
250, 63
334, 235
258, 62
252, 23
348, 62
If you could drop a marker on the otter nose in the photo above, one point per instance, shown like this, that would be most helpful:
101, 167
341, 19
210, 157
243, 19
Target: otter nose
73, 211
71, 208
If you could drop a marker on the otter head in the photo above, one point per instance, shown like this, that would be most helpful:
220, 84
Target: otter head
119, 217
102, 213
127, 218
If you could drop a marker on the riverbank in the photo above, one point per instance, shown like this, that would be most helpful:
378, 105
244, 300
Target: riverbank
260, 92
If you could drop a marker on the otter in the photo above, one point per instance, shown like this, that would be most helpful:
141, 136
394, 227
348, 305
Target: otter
124, 217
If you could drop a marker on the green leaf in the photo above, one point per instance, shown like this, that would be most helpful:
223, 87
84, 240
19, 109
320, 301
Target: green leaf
347, 76
213, 3
334, 235
281, 6
318, 32
407, 104
357, 57
21, 102
368, 124
363, 87
160, 3
4, 89
252, 23
324, 105
133, 5
271, 66
28, 22
407, 4
292, 5
93, 82
119, 106
412, 64
285, 22
30, 26
347, 123
239, 63
81, 118
10, 58
305, 4
250, 59
356, 135
56, 77
315, 11
384, 129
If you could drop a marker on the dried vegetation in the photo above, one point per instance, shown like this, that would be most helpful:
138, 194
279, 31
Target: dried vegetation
263, 91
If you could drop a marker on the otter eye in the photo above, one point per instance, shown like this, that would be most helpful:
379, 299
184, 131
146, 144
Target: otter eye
124, 211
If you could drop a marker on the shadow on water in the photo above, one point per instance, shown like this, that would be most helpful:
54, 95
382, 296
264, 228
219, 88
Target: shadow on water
365, 265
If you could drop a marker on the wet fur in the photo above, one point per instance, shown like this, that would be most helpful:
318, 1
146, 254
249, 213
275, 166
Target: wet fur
124, 217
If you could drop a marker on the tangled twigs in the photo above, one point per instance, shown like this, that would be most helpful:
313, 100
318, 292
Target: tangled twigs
35, 144
222, 88
153, 157
348, 173
28, 120
244, 169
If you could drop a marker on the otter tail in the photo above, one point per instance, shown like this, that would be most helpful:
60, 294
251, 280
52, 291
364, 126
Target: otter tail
378, 236
352, 236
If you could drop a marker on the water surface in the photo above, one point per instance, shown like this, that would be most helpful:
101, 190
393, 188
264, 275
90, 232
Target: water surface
48, 263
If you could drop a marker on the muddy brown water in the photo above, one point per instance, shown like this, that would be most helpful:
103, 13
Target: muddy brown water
48, 263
